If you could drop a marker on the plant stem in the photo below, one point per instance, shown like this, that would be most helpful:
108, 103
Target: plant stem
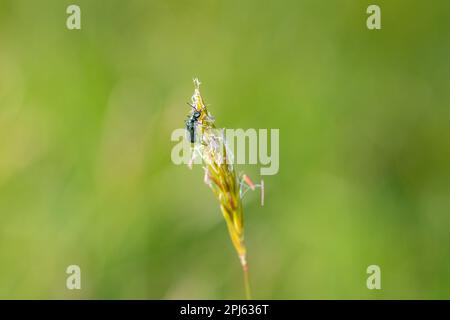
248, 294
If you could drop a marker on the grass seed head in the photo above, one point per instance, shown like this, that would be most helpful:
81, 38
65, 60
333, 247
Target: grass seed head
220, 175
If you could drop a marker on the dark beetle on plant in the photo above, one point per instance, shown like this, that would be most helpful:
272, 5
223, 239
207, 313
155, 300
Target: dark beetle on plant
191, 124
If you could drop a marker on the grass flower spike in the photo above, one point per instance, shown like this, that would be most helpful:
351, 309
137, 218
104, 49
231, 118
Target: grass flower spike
210, 145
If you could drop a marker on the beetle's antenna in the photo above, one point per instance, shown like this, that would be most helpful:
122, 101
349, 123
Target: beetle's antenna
191, 105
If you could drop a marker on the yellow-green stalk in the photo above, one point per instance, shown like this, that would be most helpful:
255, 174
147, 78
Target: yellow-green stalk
220, 176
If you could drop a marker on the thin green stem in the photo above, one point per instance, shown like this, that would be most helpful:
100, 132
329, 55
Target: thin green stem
248, 293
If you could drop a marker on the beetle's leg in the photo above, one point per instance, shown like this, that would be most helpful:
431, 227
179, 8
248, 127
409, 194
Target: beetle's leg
246, 184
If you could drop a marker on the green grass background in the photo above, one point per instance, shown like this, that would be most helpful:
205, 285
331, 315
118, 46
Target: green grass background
85, 170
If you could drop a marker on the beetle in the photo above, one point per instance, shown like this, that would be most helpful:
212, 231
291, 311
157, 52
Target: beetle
191, 124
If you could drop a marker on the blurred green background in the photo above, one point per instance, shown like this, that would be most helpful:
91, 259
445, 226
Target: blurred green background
86, 176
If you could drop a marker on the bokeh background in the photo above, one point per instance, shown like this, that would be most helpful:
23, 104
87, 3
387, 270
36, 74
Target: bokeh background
86, 176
